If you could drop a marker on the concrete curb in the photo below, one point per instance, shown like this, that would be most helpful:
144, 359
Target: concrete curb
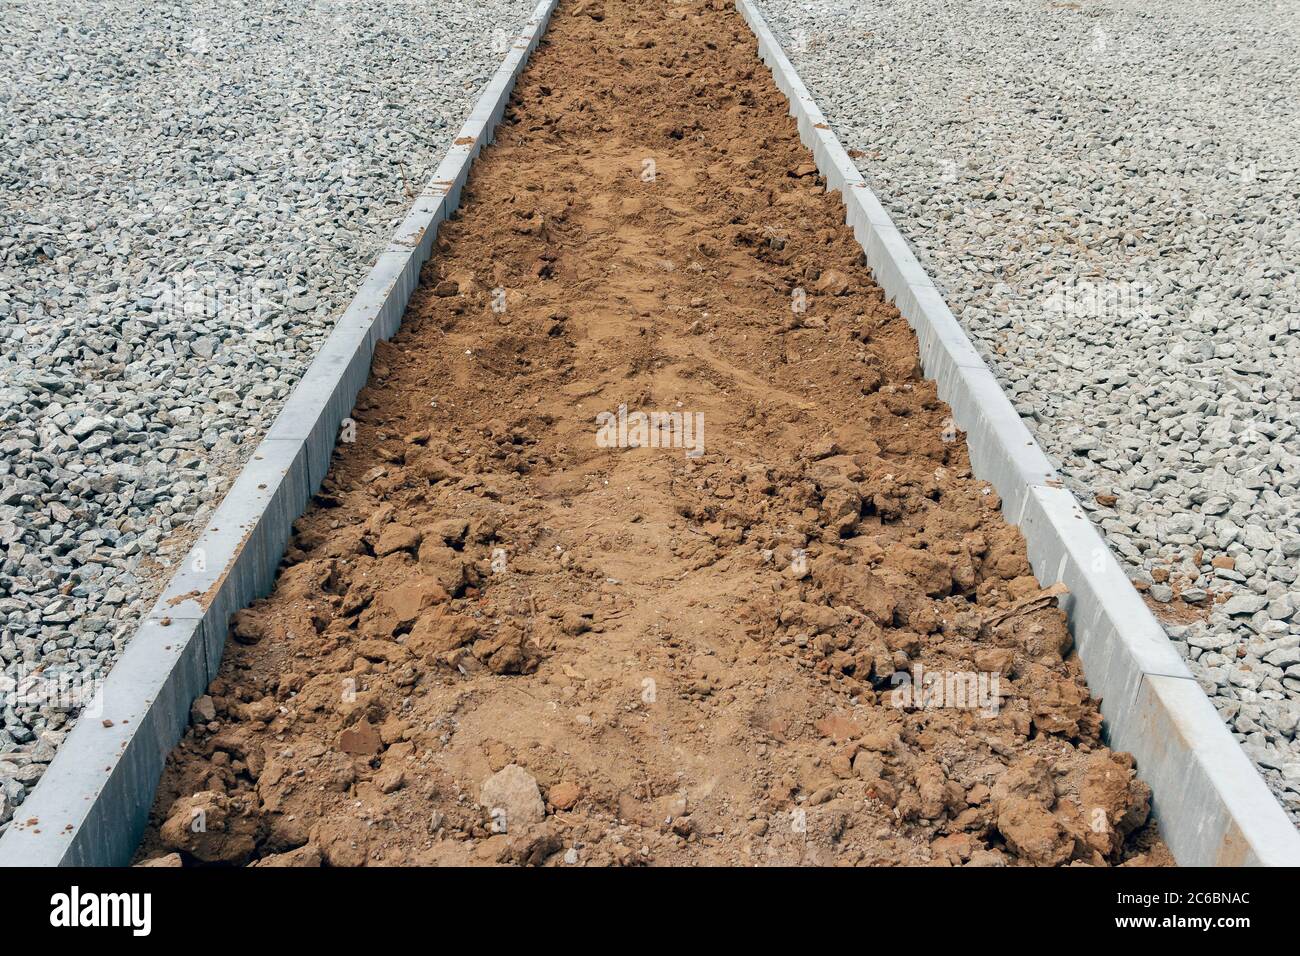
91, 807
1213, 807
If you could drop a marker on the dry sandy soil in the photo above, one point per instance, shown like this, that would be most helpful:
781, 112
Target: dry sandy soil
494, 640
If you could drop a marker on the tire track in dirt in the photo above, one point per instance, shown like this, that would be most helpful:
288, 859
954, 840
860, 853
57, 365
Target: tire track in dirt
489, 622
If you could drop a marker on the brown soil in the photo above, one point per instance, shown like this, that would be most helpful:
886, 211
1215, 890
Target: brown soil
480, 587
1179, 612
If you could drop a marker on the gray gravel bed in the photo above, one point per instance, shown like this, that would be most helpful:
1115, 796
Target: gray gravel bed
190, 194
1107, 194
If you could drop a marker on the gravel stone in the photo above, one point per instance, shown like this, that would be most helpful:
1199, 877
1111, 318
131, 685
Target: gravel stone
1245, 604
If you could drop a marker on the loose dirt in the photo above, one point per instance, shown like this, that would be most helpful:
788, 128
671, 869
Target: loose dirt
495, 639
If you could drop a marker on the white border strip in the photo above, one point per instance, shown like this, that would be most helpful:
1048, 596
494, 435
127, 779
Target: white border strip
91, 806
1211, 803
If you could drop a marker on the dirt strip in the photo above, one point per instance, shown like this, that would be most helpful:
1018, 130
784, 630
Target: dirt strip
522, 624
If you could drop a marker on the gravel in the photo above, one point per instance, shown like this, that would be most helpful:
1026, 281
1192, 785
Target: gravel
190, 195
1106, 192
